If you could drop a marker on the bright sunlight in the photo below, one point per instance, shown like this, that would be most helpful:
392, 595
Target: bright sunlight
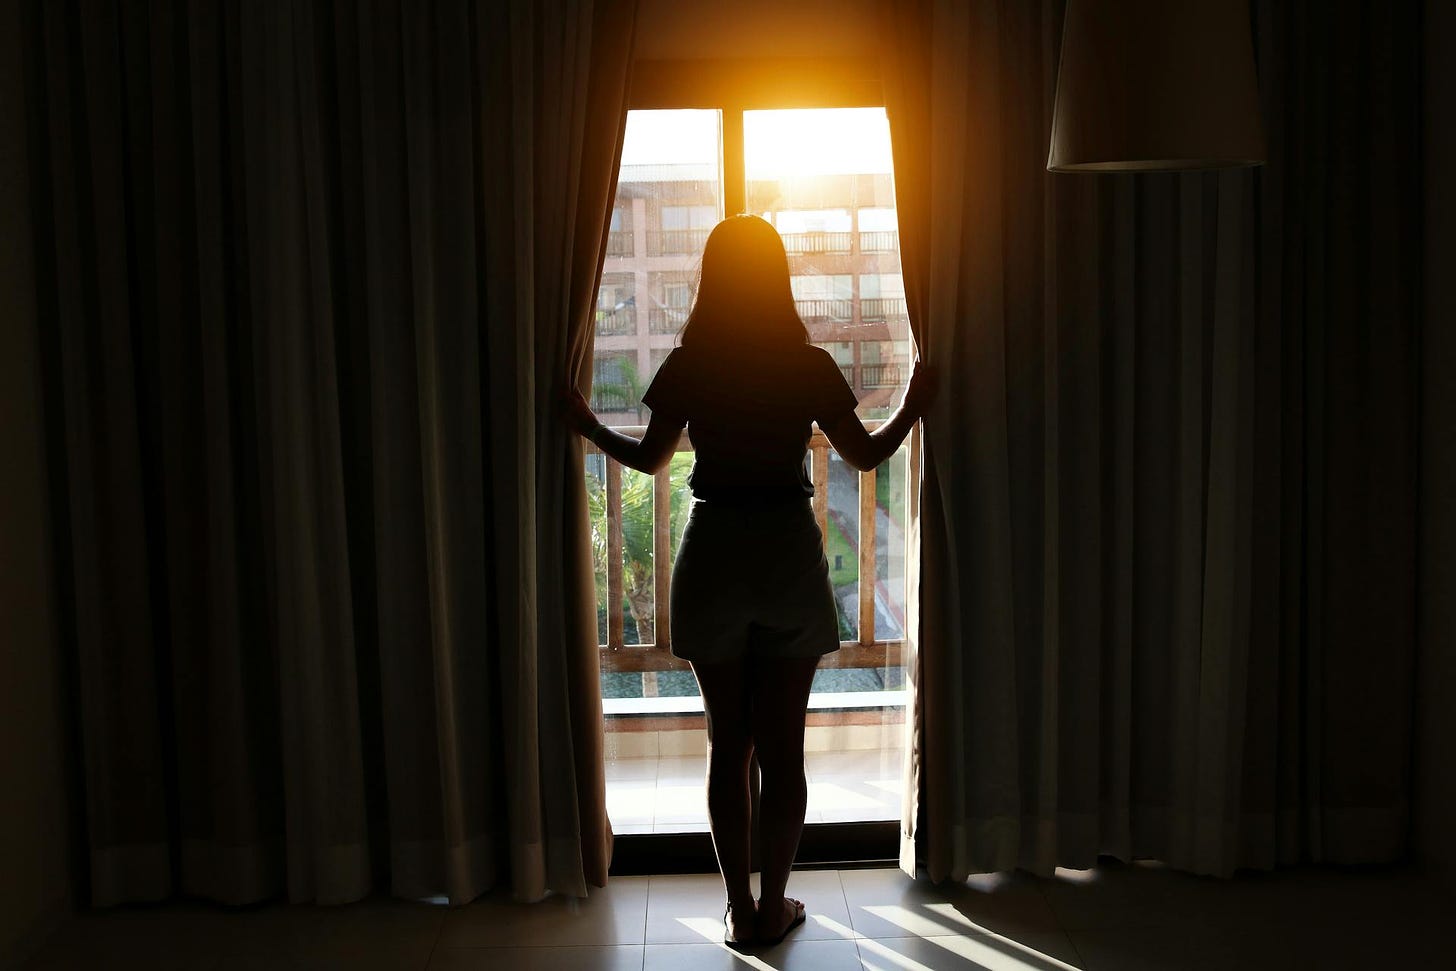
790, 143
799, 142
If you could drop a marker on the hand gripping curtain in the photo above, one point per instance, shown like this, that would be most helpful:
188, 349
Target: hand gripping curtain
1166, 580
311, 275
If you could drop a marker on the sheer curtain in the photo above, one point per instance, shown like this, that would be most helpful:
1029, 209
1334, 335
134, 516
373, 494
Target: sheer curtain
310, 275
1166, 582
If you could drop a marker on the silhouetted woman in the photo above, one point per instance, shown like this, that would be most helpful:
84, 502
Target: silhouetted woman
752, 607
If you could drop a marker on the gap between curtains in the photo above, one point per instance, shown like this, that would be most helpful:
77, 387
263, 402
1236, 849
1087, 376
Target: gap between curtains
1167, 526
311, 274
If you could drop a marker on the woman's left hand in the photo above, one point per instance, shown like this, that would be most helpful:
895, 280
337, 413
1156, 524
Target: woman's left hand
577, 413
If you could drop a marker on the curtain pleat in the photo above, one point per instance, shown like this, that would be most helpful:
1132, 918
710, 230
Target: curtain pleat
1166, 577
315, 273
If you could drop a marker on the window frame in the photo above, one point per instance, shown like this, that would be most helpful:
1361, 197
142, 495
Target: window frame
732, 87
752, 84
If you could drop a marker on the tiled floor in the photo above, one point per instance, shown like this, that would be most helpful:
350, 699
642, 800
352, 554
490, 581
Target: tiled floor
665, 795
1116, 918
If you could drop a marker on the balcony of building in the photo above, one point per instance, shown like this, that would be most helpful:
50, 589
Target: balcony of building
656, 734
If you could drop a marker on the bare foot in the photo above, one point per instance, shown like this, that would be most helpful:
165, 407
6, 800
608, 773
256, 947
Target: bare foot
773, 924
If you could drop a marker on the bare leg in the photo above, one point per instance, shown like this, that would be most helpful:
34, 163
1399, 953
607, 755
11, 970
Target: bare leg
730, 747
780, 699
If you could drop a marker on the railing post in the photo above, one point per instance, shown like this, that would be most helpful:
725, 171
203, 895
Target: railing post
867, 557
614, 554
820, 471
662, 555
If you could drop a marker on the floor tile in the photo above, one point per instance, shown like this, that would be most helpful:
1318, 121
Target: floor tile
688, 825
862, 764
614, 914
632, 803
1354, 947
681, 802
887, 903
682, 769
689, 908
619, 957
1119, 896
1186, 948
838, 955
130, 938
685, 908
1040, 951
631, 769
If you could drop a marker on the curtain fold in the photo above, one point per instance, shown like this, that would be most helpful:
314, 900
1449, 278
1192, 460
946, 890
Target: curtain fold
312, 273
1167, 534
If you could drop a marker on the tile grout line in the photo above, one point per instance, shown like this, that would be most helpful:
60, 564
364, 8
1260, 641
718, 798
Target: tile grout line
434, 944
1046, 901
646, 911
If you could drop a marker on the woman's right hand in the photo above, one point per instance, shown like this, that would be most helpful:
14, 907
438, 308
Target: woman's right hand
577, 413
921, 391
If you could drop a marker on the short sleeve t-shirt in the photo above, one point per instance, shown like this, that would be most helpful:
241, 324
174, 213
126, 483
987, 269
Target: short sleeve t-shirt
750, 415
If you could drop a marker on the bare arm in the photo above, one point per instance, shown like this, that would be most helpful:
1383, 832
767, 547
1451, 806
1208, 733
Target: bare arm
865, 450
648, 454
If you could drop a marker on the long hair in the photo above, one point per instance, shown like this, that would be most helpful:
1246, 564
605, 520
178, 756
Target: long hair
744, 299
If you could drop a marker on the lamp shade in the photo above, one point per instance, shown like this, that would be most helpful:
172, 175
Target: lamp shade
1155, 85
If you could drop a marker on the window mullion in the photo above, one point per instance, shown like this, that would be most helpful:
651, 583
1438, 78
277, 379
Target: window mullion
735, 175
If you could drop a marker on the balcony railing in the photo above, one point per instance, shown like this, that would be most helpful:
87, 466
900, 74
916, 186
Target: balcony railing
882, 308
887, 375
610, 397
666, 320
848, 371
865, 651
615, 323
817, 242
619, 242
878, 241
842, 309
676, 242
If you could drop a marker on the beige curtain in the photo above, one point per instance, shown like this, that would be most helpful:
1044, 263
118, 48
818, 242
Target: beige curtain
311, 273
1166, 572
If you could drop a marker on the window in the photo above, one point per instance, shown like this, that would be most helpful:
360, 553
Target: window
822, 177
689, 217
617, 306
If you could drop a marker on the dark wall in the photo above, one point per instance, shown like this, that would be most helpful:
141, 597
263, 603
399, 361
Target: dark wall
33, 876
1435, 797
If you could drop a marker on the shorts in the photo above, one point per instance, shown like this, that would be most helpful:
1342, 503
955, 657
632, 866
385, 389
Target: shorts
752, 581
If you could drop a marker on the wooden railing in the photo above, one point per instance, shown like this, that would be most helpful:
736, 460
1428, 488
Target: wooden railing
614, 323
835, 309
882, 308
817, 242
666, 320
619, 242
886, 375
867, 650
675, 242
877, 240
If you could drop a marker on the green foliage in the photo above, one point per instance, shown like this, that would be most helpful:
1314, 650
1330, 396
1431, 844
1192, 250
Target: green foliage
637, 539
620, 392
848, 558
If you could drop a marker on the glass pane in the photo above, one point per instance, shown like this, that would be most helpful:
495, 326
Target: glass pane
890, 531
669, 197
823, 178
596, 501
